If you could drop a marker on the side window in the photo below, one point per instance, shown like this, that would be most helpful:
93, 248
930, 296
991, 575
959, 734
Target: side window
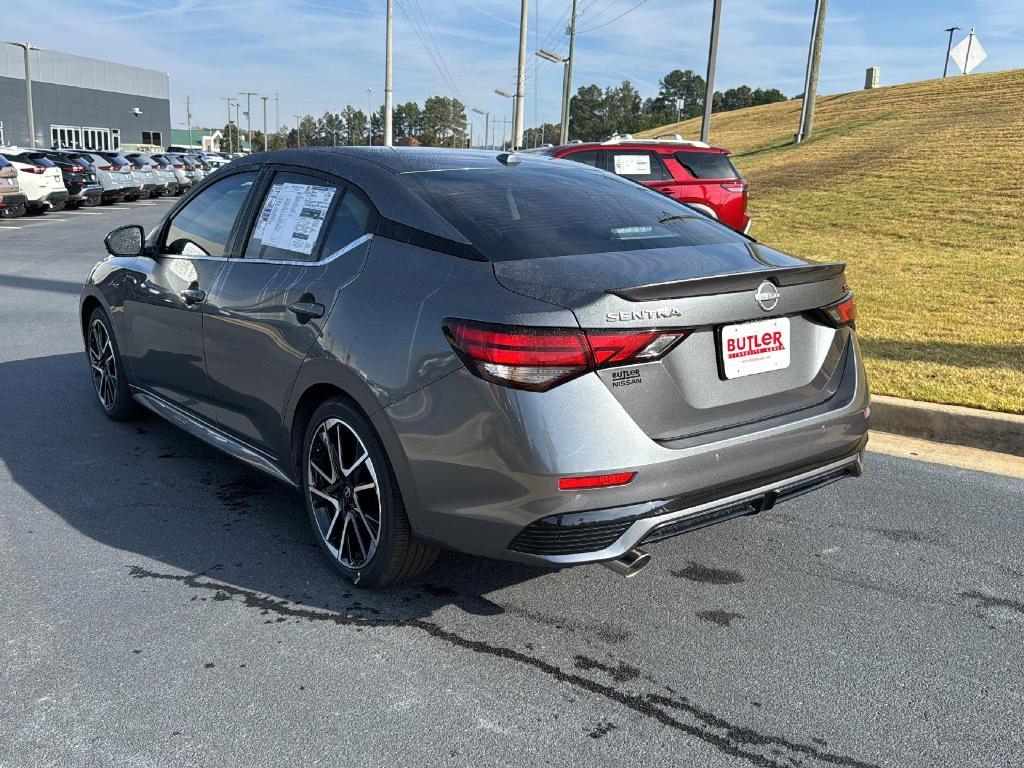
707, 165
203, 227
639, 165
350, 222
587, 158
291, 220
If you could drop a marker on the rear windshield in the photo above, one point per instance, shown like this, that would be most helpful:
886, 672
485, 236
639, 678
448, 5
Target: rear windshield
3, 161
545, 208
42, 160
707, 165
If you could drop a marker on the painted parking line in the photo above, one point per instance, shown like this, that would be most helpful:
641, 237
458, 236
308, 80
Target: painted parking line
85, 213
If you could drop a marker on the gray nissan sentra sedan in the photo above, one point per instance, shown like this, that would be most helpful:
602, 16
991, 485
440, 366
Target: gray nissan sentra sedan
512, 356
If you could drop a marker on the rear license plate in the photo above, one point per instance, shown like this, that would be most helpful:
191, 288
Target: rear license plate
758, 347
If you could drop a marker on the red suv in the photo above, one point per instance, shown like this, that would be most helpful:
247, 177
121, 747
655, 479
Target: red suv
691, 172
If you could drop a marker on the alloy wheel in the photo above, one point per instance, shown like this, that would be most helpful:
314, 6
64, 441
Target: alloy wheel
344, 493
103, 364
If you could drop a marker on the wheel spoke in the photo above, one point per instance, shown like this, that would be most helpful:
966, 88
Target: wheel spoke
364, 487
355, 464
326, 497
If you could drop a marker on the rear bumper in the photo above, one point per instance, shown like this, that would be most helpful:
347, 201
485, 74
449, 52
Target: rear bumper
480, 463
591, 537
15, 200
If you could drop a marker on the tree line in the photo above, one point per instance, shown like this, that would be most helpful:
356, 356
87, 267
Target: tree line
596, 113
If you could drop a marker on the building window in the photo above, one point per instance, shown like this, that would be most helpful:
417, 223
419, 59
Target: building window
152, 137
97, 139
115, 138
1, 132
66, 136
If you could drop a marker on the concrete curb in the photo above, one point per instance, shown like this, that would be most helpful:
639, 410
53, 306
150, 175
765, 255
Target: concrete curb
991, 431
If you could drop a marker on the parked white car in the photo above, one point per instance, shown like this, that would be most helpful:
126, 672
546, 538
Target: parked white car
41, 181
12, 199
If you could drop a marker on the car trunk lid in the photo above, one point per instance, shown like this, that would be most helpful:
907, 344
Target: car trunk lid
708, 289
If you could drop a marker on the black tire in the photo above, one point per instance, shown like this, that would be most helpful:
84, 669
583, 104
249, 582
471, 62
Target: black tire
398, 556
58, 206
113, 395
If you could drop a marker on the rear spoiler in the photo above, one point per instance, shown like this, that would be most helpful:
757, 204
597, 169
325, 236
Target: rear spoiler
731, 283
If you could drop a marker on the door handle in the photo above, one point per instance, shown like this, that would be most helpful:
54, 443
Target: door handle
193, 296
306, 310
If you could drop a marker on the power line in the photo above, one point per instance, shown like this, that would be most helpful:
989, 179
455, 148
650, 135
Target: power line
611, 21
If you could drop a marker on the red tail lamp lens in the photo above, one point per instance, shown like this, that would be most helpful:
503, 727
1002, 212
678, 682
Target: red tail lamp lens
843, 312
537, 358
595, 481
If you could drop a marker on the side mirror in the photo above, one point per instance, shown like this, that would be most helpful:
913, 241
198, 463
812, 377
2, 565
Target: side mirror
129, 240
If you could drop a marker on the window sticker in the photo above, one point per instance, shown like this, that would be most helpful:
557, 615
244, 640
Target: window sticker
293, 215
633, 165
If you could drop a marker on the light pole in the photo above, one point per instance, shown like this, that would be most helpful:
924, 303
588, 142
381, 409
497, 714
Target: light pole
949, 47
369, 117
265, 145
229, 100
26, 47
298, 130
517, 118
487, 123
554, 58
238, 125
188, 117
248, 113
388, 130
709, 93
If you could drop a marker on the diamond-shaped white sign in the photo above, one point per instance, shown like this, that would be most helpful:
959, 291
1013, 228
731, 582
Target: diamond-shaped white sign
968, 53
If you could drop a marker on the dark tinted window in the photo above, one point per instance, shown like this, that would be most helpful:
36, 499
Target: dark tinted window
3, 161
638, 164
350, 221
587, 158
291, 220
203, 227
540, 209
707, 165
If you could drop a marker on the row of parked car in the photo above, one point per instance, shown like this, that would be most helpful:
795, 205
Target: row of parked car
40, 180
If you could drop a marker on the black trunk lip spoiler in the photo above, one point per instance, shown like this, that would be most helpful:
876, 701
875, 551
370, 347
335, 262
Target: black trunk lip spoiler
730, 283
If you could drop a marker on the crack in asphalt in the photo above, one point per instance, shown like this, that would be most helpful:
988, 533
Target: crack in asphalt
735, 740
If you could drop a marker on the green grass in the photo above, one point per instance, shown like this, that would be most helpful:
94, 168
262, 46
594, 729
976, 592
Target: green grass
920, 189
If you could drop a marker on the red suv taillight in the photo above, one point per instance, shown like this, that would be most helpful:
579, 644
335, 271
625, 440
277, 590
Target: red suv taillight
843, 312
735, 186
537, 359
33, 169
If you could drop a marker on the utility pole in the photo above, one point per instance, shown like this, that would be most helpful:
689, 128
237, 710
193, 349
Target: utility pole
388, 131
517, 115
813, 64
298, 130
709, 89
369, 117
248, 113
265, 146
277, 113
567, 83
188, 118
949, 47
229, 100
26, 47
238, 124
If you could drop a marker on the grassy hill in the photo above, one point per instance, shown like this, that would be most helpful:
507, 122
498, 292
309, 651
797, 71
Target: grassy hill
920, 189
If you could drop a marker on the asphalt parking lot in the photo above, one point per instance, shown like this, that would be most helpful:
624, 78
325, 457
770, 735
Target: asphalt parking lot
165, 606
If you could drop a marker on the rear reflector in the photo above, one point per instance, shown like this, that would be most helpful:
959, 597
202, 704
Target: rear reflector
537, 359
595, 481
843, 312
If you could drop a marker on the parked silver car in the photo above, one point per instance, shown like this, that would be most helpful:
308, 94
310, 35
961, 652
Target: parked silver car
518, 357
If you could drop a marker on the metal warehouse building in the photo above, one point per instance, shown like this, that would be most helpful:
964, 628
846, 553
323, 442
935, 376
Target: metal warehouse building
82, 103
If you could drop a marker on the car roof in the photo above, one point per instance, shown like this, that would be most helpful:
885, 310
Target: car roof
378, 172
674, 144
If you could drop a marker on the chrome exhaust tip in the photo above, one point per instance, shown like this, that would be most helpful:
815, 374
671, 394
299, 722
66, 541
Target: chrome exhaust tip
629, 563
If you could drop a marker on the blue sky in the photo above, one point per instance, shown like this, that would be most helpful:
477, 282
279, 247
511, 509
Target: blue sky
319, 55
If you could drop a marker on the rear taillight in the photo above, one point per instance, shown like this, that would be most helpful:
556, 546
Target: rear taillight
537, 359
843, 312
179, 167
33, 169
735, 186
76, 169
105, 167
